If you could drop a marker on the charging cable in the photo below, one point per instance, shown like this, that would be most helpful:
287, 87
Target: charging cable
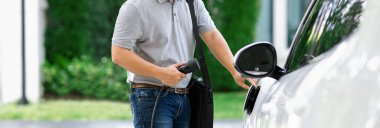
155, 105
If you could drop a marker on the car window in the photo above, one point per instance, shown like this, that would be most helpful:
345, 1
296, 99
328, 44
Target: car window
329, 22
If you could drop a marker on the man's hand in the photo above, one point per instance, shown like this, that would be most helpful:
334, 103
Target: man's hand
130, 61
170, 75
240, 80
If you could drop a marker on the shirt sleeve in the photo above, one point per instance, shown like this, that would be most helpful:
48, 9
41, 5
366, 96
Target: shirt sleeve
205, 22
128, 27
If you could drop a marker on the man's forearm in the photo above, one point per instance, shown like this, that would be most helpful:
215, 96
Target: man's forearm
133, 63
219, 47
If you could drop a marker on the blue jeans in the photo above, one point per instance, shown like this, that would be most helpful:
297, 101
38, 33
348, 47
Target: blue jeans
172, 111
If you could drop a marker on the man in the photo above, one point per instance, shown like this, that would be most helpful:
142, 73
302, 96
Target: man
152, 38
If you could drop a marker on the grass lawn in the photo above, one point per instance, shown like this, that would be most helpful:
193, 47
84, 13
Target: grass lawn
67, 110
227, 106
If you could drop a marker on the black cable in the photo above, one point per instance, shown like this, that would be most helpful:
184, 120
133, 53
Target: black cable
155, 106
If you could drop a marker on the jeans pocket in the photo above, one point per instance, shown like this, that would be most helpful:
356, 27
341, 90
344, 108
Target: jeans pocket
148, 94
147, 97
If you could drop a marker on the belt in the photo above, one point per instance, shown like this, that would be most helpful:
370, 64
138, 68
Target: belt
166, 88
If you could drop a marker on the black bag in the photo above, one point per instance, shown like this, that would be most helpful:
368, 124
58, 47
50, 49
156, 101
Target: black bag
200, 92
202, 107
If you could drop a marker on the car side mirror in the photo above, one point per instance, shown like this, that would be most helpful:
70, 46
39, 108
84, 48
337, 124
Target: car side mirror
258, 60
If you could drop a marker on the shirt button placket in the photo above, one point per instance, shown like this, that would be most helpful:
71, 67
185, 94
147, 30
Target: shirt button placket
175, 12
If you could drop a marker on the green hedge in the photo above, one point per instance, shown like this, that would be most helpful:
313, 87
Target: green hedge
82, 28
85, 78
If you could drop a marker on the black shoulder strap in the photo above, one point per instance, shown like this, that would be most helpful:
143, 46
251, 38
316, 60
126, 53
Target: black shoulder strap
202, 59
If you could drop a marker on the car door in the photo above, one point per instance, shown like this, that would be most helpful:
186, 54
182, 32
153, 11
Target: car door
326, 24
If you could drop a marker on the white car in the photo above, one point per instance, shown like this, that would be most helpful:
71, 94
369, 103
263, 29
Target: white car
332, 75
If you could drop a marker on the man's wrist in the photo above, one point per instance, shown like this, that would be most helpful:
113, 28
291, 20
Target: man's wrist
233, 72
236, 74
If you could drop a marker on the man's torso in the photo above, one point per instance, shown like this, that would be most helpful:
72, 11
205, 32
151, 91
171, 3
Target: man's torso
167, 37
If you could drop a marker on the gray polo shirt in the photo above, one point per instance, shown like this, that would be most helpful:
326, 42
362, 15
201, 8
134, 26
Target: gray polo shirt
159, 32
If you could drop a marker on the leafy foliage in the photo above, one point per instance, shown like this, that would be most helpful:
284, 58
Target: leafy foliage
85, 78
82, 28
78, 28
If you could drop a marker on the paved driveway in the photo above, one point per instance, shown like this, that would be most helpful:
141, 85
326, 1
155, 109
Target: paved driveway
97, 124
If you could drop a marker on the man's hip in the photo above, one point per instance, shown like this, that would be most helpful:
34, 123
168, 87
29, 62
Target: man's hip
164, 88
